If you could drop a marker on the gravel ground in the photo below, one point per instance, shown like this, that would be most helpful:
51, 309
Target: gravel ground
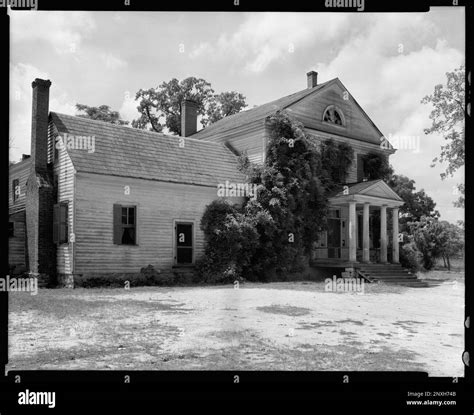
276, 326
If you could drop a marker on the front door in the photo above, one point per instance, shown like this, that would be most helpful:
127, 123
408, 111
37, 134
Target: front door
334, 238
184, 243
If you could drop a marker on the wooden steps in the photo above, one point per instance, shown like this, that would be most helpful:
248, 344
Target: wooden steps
391, 274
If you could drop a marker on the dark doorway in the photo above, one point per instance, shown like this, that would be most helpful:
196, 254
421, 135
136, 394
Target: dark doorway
334, 238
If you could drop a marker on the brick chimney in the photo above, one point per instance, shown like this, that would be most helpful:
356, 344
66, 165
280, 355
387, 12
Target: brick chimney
188, 117
40, 192
312, 79
39, 123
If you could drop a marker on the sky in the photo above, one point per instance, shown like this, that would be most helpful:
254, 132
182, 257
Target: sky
388, 62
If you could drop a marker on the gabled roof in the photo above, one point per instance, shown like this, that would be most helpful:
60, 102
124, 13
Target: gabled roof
130, 152
258, 113
365, 191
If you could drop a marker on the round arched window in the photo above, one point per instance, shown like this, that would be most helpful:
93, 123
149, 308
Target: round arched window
333, 115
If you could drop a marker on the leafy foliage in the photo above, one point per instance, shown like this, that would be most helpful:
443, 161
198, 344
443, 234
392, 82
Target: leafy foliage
434, 238
161, 107
336, 158
417, 203
101, 113
447, 117
376, 166
231, 241
223, 105
273, 234
410, 256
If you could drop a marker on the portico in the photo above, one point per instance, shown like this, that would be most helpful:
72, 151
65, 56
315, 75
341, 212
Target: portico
360, 212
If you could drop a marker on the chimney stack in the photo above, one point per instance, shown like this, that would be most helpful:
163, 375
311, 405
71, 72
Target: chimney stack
40, 192
189, 109
312, 79
39, 124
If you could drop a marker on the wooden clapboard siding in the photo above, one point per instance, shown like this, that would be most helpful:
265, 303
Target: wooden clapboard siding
65, 173
158, 205
16, 243
310, 110
244, 138
20, 171
359, 147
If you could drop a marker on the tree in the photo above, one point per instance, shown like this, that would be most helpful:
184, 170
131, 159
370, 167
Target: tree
451, 241
101, 113
222, 105
448, 120
434, 239
417, 204
161, 107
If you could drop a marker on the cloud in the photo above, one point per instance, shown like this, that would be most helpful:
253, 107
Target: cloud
267, 37
389, 68
128, 110
21, 77
64, 30
112, 62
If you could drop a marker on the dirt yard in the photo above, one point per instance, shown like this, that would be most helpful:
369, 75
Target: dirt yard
277, 326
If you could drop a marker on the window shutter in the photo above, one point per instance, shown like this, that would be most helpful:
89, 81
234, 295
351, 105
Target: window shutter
63, 223
117, 224
56, 223
360, 167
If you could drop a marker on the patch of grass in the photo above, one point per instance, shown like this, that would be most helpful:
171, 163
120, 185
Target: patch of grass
357, 323
286, 310
347, 333
65, 304
310, 326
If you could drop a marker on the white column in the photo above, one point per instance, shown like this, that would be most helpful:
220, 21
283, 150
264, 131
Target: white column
352, 232
365, 234
383, 234
395, 236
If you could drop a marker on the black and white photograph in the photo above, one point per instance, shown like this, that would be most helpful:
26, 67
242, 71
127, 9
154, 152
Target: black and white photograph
252, 191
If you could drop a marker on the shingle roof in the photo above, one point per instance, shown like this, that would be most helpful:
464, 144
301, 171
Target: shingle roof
131, 152
257, 113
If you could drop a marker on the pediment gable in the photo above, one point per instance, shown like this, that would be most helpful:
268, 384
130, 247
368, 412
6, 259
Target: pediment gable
356, 123
380, 189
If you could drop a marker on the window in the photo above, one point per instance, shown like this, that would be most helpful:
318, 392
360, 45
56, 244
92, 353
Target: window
11, 229
361, 168
56, 150
15, 190
60, 223
184, 243
333, 115
125, 219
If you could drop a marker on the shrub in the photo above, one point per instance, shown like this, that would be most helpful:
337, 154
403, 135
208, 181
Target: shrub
410, 257
148, 276
231, 241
